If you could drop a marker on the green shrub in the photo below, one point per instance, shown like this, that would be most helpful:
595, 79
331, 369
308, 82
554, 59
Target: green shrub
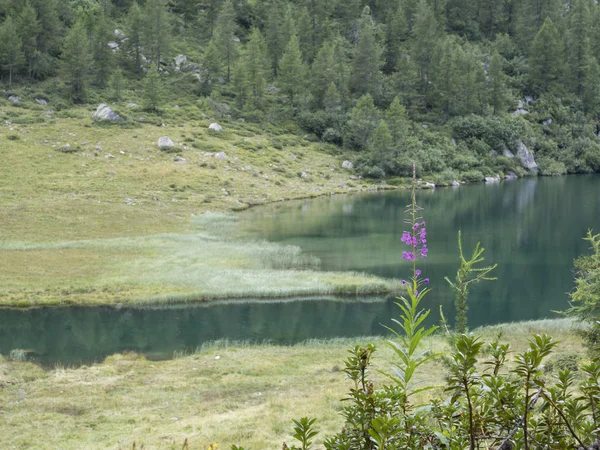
472, 176
549, 167
445, 178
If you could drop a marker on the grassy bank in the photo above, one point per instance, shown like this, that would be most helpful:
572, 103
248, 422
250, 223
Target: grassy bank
96, 214
225, 392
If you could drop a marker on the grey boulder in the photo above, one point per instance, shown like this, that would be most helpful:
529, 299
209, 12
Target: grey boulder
165, 144
105, 113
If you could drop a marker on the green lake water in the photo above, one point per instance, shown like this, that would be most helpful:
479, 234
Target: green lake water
532, 228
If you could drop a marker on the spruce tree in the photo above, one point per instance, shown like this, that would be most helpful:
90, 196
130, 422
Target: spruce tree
212, 63
396, 37
305, 35
318, 13
322, 73
28, 29
224, 35
546, 58
76, 61
591, 91
239, 84
398, 122
469, 82
578, 42
364, 118
116, 84
102, 53
496, 84
153, 90
11, 55
156, 30
425, 35
367, 61
135, 33
256, 62
382, 148
274, 33
331, 99
292, 71
531, 15
188, 10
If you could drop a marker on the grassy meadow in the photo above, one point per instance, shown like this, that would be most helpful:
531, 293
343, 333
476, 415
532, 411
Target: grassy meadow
226, 393
97, 214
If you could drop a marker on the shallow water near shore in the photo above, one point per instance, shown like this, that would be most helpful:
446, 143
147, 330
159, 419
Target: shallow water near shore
533, 228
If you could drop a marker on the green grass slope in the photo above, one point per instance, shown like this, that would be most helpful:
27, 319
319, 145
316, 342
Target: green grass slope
98, 214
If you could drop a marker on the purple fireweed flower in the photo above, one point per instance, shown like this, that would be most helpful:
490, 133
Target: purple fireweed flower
417, 272
403, 282
423, 252
406, 237
408, 256
426, 280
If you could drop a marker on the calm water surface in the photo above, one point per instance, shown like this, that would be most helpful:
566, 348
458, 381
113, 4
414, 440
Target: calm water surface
532, 228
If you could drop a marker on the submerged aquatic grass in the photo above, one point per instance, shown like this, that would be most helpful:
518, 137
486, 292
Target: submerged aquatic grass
170, 268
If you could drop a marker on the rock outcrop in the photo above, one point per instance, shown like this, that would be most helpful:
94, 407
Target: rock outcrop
526, 157
105, 113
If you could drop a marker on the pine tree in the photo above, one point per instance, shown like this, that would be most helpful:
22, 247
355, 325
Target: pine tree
469, 82
239, 83
224, 36
134, 27
530, 17
102, 53
367, 62
305, 35
322, 73
153, 90
292, 71
461, 16
578, 41
364, 118
492, 18
256, 62
11, 56
28, 28
49, 39
212, 64
382, 147
591, 91
397, 122
156, 31
546, 58
396, 37
274, 32
443, 75
425, 36
496, 84
331, 99
188, 10
116, 84
76, 61
341, 68
318, 13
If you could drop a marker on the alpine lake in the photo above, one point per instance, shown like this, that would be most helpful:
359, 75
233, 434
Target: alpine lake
533, 228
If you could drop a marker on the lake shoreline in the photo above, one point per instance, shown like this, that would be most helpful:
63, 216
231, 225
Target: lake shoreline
213, 394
